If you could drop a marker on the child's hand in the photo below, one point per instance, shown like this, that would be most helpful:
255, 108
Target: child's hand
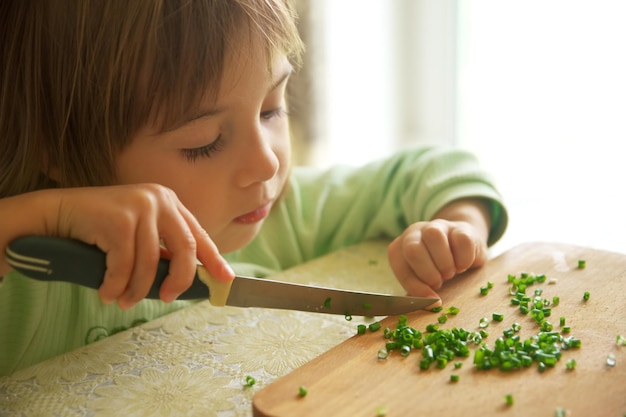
128, 223
431, 252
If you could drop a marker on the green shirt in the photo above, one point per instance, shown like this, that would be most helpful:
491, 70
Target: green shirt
321, 211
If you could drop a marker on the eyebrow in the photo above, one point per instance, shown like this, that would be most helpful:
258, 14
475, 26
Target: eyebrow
212, 112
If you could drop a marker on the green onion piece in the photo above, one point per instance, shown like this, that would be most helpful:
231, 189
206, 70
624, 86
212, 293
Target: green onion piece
374, 326
570, 364
442, 319
436, 309
348, 317
560, 412
454, 378
484, 290
453, 310
610, 360
381, 411
457, 365
555, 301
383, 354
566, 329
620, 340
250, 381
562, 321
509, 399
489, 284
361, 328
302, 391
586, 296
431, 328
582, 264
327, 303
498, 316
483, 323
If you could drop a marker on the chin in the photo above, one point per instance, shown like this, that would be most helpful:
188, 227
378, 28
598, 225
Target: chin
239, 239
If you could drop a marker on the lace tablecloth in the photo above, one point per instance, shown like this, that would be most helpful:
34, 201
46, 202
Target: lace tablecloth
194, 362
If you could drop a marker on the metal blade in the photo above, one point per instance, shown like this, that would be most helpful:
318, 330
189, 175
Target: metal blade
260, 292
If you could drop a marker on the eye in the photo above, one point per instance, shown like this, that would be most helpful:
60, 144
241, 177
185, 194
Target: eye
274, 113
206, 151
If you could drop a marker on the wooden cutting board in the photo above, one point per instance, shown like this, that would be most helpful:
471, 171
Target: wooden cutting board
349, 380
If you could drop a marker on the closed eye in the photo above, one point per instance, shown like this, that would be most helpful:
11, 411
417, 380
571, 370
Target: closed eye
206, 151
274, 113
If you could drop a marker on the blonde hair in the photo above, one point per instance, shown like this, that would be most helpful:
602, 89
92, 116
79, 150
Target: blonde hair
79, 77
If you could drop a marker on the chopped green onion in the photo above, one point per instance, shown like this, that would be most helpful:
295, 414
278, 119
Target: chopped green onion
436, 309
555, 301
431, 328
497, 316
381, 411
302, 391
454, 378
374, 326
560, 412
484, 290
489, 284
383, 354
442, 319
610, 360
562, 321
570, 364
483, 323
582, 264
453, 310
348, 317
250, 381
586, 296
620, 340
509, 399
327, 303
361, 328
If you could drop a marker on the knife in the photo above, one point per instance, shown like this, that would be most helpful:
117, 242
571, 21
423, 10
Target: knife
48, 258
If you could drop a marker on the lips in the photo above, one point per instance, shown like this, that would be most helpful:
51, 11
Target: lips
254, 216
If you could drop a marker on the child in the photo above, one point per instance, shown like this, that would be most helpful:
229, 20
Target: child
159, 128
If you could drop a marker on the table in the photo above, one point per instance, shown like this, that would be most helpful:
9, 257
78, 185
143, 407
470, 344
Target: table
194, 362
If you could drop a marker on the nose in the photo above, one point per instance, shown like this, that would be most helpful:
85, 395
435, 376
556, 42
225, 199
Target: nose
259, 161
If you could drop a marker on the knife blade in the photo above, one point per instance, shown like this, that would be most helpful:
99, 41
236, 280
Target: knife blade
48, 258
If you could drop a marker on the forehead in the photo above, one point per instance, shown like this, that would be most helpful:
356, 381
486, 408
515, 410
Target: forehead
251, 66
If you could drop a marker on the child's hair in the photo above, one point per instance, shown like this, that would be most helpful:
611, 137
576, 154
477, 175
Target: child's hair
78, 78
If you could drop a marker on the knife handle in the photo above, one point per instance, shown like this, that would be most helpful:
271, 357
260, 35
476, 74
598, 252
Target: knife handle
47, 258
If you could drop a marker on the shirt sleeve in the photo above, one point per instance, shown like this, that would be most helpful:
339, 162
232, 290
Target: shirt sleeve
323, 211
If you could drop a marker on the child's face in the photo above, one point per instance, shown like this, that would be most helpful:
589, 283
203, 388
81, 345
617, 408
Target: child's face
230, 163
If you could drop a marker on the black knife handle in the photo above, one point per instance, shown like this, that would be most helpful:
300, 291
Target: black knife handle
47, 258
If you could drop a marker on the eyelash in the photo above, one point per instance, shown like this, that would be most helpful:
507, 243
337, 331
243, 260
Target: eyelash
204, 151
214, 147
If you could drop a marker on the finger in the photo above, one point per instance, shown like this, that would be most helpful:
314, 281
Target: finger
405, 275
207, 252
119, 268
417, 258
468, 252
435, 239
182, 250
147, 252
